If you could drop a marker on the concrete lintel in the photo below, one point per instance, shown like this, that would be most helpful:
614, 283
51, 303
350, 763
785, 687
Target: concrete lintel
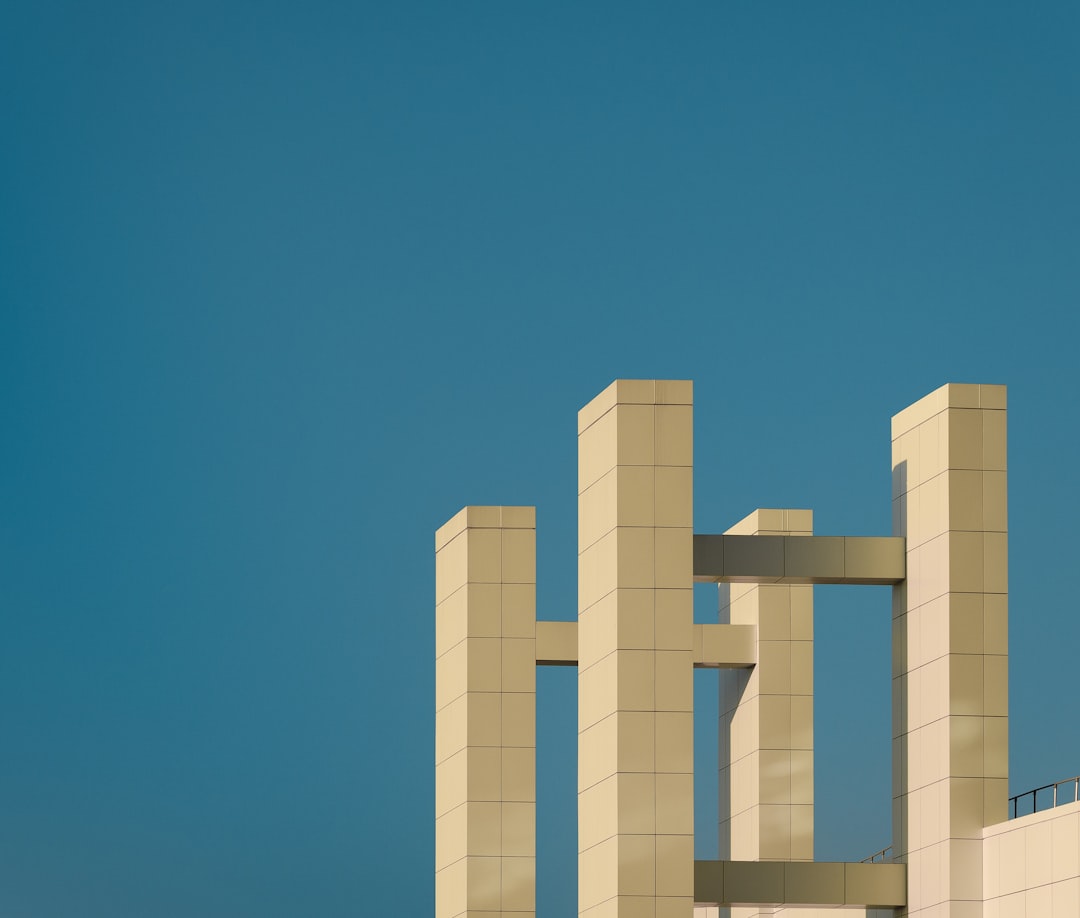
556, 644
725, 646
797, 883
799, 559
715, 646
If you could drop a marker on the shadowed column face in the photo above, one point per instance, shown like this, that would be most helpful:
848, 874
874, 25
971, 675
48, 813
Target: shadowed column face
485, 720
767, 715
636, 644
950, 652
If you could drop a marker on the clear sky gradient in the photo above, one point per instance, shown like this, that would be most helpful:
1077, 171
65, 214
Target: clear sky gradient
283, 286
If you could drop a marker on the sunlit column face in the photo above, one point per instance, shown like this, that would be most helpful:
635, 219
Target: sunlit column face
950, 676
635, 607
766, 714
485, 721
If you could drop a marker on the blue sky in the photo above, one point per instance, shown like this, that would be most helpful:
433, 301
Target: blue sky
283, 286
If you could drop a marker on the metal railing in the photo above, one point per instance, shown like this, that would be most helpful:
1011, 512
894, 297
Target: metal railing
1017, 807
1019, 804
878, 857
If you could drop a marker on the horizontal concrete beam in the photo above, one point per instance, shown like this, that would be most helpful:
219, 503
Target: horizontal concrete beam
556, 644
725, 646
773, 883
799, 559
715, 646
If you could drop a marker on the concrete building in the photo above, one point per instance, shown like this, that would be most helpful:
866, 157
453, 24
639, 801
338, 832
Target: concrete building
956, 852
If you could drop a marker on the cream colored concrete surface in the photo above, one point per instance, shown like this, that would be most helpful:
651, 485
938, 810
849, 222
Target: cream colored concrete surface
950, 687
766, 715
635, 645
636, 651
715, 646
1031, 865
485, 713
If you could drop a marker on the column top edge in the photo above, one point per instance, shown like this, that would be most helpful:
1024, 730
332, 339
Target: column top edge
774, 521
636, 392
950, 395
478, 517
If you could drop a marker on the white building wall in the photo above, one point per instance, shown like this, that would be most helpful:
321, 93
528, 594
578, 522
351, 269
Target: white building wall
1031, 865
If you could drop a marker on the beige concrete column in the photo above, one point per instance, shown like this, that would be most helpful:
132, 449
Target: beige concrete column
767, 715
485, 720
950, 653
635, 670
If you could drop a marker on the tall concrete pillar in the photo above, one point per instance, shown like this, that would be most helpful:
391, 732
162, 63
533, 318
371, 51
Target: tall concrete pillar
767, 715
635, 668
485, 720
950, 652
